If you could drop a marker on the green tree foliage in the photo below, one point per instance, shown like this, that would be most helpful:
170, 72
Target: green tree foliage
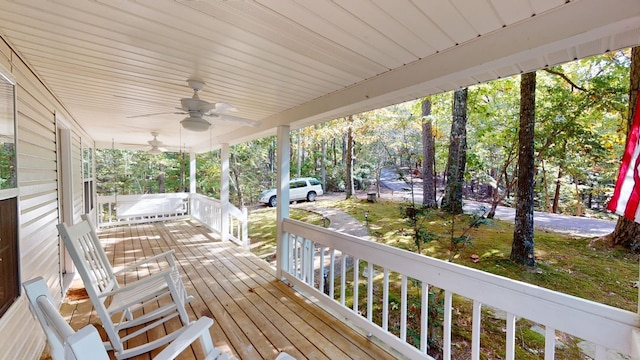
124, 172
492, 140
581, 106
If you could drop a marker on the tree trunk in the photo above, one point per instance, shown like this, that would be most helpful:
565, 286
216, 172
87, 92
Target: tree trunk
490, 190
323, 161
344, 146
556, 195
547, 199
236, 181
161, 179
299, 151
522, 246
627, 232
349, 189
578, 202
452, 200
428, 157
335, 152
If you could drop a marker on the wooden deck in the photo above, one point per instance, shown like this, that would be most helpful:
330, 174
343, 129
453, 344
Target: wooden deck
256, 316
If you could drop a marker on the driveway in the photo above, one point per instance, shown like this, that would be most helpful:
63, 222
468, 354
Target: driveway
567, 224
572, 225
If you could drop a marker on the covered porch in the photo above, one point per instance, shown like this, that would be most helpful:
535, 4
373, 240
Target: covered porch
91, 74
256, 315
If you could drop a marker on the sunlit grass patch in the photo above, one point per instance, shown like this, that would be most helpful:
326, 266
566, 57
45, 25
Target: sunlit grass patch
262, 227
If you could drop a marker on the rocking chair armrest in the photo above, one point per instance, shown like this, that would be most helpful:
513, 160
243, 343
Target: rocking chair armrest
168, 255
136, 284
197, 329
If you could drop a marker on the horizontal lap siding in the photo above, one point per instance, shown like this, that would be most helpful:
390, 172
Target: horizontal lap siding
20, 334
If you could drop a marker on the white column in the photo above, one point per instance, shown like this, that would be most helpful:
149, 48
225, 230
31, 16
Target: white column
192, 172
224, 192
192, 180
282, 195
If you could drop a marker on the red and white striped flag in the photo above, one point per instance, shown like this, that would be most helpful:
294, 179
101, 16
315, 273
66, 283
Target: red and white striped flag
626, 196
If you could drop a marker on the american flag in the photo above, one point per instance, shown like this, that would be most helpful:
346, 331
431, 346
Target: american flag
626, 196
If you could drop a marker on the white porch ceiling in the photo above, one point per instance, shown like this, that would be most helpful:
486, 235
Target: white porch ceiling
296, 62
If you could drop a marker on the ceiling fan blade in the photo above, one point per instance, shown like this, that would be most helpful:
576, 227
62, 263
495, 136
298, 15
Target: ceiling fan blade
219, 108
232, 118
154, 114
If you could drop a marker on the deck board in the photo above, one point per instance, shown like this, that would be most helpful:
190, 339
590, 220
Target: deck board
256, 316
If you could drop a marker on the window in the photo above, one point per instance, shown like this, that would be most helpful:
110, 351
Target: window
9, 255
87, 178
7, 136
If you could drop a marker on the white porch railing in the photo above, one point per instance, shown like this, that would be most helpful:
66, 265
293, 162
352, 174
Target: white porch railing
134, 209
209, 212
311, 250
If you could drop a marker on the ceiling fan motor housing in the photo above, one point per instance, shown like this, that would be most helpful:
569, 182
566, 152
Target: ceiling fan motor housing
193, 104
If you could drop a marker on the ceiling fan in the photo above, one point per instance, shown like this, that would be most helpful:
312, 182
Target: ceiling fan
196, 109
155, 145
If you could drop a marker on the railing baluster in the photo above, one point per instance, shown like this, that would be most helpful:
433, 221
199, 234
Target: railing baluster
424, 317
475, 330
403, 309
311, 269
511, 337
293, 249
298, 255
343, 278
385, 300
549, 343
446, 327
321, 273
369, 291
332, 274
356, 278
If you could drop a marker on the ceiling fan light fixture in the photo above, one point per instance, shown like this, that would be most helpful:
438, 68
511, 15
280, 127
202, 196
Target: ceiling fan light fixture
195, 123
155, 151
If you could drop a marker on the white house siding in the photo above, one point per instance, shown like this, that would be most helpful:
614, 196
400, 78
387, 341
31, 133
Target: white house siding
20, 334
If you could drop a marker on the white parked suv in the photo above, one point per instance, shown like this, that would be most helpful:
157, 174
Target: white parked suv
299, 189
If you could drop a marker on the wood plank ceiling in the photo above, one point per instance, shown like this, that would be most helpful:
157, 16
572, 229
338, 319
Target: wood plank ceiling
296, 62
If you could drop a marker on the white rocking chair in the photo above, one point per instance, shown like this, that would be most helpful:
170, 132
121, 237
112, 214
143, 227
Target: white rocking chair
66, 344
120, 307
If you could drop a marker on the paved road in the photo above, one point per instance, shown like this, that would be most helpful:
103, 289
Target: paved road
573, 225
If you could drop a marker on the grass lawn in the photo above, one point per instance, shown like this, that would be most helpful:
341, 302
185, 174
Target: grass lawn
565, 264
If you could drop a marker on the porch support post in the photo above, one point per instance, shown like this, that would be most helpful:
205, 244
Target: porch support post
282, 195
192, 172
224, 193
